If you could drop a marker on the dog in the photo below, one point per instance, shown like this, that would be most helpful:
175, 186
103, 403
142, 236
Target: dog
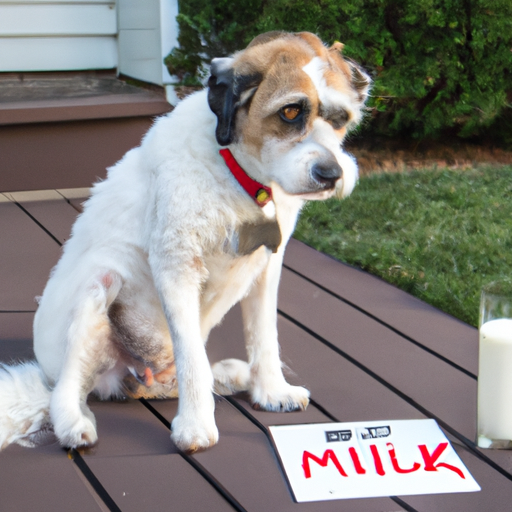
191, 222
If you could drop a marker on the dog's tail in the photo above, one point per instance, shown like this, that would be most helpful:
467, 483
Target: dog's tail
24, 405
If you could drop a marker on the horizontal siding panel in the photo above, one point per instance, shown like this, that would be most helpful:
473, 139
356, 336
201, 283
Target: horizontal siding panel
57, 19
51, 2
57, 53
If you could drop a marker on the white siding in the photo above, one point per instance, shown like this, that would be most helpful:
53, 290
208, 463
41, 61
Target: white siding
57, 54
147, 33
57, 19
44, 35
58, 35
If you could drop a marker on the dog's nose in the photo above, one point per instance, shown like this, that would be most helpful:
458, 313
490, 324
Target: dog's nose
327, 172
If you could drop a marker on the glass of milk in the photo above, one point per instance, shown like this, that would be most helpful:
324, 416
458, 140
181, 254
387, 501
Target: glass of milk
495, 366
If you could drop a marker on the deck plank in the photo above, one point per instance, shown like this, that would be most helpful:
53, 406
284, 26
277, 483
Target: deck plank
442, 333
301, 351
446, 392
139, 466
125, 428
244, 462
135, 460
16, 325
156, 482
42, 478
427, 325
495, 496
50, 209
27, 255
503, 458
75, 196
346, 391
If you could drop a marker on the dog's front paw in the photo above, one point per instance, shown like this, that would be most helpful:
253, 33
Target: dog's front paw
284, 398
192, 436
75, 430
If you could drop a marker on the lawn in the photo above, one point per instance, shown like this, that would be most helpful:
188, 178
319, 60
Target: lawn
437, 234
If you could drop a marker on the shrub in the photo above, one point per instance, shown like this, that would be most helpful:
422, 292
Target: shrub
209, 29
438, 66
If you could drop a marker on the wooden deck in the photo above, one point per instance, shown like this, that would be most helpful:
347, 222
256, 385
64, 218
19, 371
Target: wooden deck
64, 129
366, 350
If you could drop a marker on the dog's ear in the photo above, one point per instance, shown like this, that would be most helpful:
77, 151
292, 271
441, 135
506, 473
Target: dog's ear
227, 91
359, 79
221, 98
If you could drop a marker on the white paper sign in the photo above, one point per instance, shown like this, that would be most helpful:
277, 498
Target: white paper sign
328, 461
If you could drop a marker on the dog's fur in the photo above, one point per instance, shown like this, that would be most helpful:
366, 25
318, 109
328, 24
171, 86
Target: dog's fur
154, 256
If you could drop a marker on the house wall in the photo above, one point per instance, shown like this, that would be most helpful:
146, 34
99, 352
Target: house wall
147, 33
56, 35
133, 36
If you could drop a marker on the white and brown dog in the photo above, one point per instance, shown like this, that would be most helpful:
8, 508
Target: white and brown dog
177, 234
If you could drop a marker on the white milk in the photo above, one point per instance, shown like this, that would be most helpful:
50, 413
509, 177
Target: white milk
495, 381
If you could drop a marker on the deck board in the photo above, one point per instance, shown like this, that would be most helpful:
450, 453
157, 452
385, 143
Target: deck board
16, 325
156, 482
444, 334
352, 403
139, 466
48, 208
445, 392
27, 255
42, 478
128, 428
245, 462
345, 390
75, 196
496, 493
365, 349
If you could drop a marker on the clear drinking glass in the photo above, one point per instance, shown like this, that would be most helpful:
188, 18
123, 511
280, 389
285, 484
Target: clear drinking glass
495, 366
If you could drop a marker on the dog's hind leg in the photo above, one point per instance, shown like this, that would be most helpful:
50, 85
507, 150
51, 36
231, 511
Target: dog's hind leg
231, 376
89, 354
143, 337
141, 330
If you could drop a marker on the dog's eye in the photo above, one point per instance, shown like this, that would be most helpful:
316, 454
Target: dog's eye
339, 119
290, 112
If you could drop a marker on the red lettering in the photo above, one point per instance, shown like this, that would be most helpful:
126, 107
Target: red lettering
377, 460
430, 459
355, 460
328, 454
394, 461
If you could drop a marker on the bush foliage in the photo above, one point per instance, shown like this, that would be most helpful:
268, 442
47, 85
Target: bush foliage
438, 66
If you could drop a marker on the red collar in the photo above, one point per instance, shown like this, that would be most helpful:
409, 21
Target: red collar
260, 193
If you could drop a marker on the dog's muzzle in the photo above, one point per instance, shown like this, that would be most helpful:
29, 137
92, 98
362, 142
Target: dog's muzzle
326, 173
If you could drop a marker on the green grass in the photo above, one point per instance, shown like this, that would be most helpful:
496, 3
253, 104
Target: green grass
437, 234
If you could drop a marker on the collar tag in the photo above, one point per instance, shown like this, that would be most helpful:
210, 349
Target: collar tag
260, 194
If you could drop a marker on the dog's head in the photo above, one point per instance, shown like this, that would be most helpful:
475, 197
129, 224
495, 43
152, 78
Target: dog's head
284, 105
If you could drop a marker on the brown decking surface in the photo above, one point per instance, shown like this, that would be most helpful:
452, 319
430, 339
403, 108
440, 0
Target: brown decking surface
366, 350
50, 97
